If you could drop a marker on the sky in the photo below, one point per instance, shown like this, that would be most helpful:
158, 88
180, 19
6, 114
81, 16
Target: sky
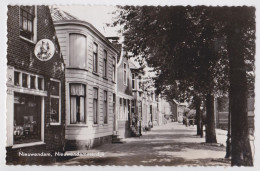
98, 16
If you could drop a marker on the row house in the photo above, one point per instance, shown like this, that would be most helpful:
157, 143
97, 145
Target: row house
35, 85
90, 87
125, 100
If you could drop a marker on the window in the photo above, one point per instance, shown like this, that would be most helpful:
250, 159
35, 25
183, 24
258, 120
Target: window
25, 80
105, 107
95, 58
28, 80
140, 83
77, 103
125, 110
114, 69
133, 107
95, 105
27, 118
121, 108
32, 82
114, 103
105, 64
77, 51
27, 21
40, 83
133, 81
17, 78
125, 78
55, 102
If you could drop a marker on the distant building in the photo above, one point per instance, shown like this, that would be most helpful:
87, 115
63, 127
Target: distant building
91, 78
35, 85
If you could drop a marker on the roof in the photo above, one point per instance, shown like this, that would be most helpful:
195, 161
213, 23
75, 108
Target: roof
132, 65
63, 18
58, 15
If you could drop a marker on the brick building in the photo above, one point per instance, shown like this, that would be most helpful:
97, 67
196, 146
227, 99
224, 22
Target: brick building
90, 74
35, 85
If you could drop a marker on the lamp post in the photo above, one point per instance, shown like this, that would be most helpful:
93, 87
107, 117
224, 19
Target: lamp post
201, 122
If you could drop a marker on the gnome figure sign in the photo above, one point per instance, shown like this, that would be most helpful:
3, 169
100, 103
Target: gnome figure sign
44, 50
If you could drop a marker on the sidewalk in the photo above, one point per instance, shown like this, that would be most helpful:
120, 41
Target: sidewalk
172, 144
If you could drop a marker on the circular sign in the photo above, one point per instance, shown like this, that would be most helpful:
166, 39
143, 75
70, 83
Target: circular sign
44, 49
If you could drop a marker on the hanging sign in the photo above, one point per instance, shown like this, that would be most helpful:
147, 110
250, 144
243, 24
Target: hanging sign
44, 49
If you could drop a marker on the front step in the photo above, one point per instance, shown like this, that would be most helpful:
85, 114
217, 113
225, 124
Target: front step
117, 140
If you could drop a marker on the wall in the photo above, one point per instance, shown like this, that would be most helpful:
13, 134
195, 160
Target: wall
88, 135
20, 55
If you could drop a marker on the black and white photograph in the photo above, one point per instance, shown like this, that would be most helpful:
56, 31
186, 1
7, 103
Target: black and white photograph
129, 85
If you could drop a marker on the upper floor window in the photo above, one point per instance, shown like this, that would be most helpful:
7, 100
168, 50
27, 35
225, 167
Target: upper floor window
27, 21
105, 64
95, 58
77, 51
125, 74
114, 69
133, 81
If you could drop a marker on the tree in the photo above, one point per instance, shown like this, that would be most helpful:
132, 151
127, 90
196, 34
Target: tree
197, 47
240, 28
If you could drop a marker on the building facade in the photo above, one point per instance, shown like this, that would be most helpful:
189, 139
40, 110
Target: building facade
90, 82
125, 98
35, 85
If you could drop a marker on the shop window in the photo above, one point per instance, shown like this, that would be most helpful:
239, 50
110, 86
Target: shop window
24, 80
32, 82
105, 107
77, 103
95, 105
55, 102
95, 58
105, 64
27, 21
27, 118
77, 51
17, 78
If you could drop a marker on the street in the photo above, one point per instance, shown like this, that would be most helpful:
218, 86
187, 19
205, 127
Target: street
170, 145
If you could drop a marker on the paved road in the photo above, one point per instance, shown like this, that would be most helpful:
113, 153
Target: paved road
170, 145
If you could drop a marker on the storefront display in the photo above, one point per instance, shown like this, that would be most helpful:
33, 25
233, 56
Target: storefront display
27, 118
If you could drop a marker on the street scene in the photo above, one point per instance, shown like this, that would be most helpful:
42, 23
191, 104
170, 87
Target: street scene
172, 144
130, 85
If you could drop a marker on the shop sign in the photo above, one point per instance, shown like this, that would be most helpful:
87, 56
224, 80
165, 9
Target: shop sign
44, 49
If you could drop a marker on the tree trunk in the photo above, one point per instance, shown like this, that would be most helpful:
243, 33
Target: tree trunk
210, 120
228, 142
198, 115
241, 151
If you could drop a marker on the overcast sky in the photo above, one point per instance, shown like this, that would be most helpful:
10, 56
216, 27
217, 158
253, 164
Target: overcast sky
98, 16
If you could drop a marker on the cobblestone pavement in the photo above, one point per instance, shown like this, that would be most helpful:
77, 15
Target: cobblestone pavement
170, 145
